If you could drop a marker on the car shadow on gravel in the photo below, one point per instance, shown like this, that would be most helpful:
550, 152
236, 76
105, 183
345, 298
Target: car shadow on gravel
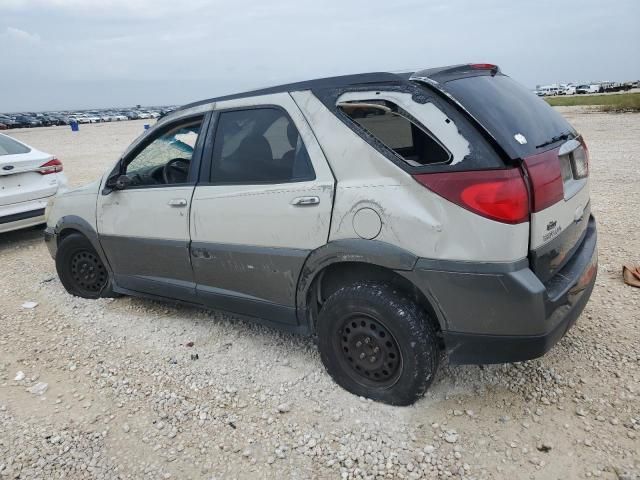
218, 332
245, 327
21, 238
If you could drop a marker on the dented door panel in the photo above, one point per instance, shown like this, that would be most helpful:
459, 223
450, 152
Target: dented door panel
249, 241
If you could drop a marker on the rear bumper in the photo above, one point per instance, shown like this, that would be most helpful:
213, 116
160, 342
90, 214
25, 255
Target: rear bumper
496, 313
22, 215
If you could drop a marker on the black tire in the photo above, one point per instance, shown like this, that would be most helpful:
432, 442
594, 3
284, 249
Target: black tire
80, 268
374, 322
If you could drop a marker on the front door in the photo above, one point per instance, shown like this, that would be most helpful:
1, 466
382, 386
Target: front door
263, 203
144, 227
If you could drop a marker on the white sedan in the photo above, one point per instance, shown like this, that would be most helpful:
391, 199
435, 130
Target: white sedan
28, 179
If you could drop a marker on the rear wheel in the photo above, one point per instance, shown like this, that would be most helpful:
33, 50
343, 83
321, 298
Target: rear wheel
378, 343
80, 268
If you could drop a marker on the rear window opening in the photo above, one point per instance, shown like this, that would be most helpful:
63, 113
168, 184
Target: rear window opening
391, 125
522, 123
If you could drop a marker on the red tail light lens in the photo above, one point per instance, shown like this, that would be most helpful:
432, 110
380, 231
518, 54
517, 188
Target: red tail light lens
545, 176
52, 166
500, 195
483, 66
580, 160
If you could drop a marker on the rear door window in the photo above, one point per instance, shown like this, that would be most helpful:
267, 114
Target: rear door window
392, 126
258, 145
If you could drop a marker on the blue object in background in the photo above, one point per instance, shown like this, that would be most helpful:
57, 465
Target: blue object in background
74, 126
146, 126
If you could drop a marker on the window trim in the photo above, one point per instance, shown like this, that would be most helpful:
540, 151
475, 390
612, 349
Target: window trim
484, 154
207, 153
412, 121
196, 159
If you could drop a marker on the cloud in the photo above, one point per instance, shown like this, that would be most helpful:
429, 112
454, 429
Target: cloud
20, 36
90, 52
139, 9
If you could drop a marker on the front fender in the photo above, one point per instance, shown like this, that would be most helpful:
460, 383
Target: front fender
79, 224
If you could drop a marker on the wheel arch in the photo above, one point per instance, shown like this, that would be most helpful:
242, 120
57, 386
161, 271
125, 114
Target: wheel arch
343, 262
70, 224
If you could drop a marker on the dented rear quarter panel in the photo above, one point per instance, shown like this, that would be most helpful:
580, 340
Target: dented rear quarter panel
412, 217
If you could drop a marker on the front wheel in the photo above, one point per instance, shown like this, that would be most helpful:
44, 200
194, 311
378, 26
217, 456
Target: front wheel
376, 342
80, 268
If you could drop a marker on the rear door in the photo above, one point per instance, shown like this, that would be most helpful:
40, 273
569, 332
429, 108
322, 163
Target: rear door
263, 202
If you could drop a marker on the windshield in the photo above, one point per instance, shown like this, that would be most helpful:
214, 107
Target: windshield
8, 146
511, 113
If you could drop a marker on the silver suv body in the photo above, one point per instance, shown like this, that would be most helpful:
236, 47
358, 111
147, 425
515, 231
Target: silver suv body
392, 216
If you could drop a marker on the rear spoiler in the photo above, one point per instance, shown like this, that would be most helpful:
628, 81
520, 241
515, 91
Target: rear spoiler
444, 74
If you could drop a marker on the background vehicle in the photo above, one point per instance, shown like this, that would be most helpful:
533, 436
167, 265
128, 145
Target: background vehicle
460, 226
549, 90
28, 179
26, 121
8, 121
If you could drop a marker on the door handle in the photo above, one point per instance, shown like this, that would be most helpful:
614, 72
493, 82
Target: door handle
305, 201
177, 202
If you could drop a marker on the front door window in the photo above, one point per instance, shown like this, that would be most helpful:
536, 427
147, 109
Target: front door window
167, 159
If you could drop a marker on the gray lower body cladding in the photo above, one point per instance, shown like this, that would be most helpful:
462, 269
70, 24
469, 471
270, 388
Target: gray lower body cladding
488, 313
259, 273
496, 313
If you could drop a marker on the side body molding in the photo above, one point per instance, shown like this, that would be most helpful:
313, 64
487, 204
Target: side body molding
371, 252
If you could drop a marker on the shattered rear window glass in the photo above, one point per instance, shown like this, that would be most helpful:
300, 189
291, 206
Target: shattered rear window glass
390, 124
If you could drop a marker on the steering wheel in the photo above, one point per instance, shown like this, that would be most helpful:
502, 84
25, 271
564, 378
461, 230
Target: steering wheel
175, 171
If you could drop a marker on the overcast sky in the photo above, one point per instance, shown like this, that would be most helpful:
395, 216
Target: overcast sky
71, 54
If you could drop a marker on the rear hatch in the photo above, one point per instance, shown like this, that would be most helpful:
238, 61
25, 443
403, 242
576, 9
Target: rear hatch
537, 139
25, 173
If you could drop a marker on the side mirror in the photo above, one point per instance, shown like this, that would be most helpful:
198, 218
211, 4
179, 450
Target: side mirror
122, 182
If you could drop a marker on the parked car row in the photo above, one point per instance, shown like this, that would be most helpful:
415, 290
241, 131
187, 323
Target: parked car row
47, 119
583, 88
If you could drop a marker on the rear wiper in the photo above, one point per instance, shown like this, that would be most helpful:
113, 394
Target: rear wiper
557, 138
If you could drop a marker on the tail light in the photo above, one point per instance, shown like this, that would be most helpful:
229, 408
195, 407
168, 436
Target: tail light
499, 195
545, 176
52, 166
580, 160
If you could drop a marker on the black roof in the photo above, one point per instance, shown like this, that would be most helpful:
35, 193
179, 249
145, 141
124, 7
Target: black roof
329, 82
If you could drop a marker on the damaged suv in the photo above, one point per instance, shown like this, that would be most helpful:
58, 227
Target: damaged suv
391, 216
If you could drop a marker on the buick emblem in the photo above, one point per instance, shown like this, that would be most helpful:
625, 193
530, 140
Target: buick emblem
8, 167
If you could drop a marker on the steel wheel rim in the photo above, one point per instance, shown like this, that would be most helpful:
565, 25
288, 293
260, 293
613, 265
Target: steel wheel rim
368, 351
87, 271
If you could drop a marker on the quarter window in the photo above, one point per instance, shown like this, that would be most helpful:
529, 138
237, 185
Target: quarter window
260, 145
391, 125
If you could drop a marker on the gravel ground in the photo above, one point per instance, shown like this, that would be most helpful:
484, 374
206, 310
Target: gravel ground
140, 389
